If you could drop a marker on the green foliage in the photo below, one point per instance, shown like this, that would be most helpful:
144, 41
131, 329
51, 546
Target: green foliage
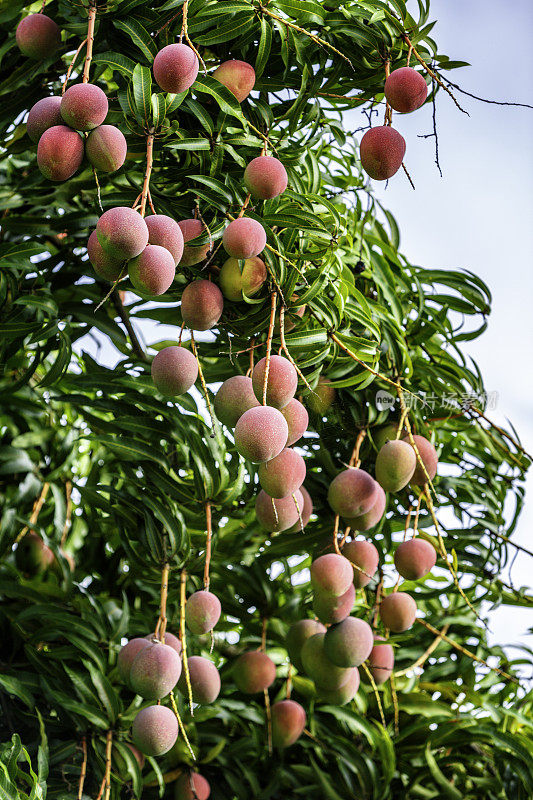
124, 476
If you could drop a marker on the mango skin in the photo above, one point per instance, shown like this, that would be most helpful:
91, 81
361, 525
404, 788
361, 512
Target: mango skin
414, 559
364, 555
382, 151
406, 90
84, 106
244, 238
253, 672
395, 465
59, 153
174, 370
288, 722
296, 637
155, 730
235, 396
106, 148
43, 115
261, 433
237, 76
236, 283
397, 612
38, 36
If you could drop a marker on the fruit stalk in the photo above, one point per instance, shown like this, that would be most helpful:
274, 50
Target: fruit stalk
181, 727
184, 34
90, 41
273, 299
183, 638
126, 321
355, 461
108, 752
413, 50
71, 65
148, 172
285, 348
204, 385
388, 109
209, 534
83, 771
268, 712
35, 512
161, 626
376, 693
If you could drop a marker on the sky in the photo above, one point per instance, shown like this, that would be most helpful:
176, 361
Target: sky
480, 214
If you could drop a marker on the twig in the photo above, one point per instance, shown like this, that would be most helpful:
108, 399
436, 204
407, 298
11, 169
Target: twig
388, 110
244, 205
509, 541
265, 138
483, 100
90, 41
311, 36
264, 623
424, 657
394, 696
430, 72
150, 203
101, 790
349, 353
501, 431
444, 553
378, 599
251, 357
112, 289
466, 652
408, 176
98, 192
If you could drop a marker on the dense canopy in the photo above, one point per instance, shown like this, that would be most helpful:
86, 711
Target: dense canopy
120, 499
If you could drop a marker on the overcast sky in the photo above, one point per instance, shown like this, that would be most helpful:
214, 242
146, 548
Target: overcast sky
480, 214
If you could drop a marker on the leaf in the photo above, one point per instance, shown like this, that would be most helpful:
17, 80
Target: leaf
139, 36
225, 99
116, 61
447, 788
142, 92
